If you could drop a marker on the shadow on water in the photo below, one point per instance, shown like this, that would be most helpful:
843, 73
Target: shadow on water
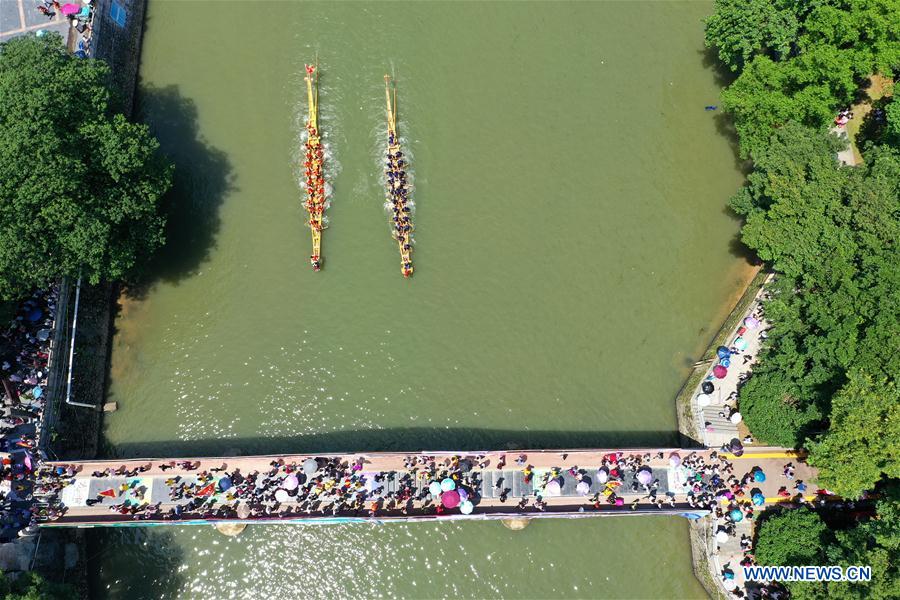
402, 440
134, 562
723, 77
203, 177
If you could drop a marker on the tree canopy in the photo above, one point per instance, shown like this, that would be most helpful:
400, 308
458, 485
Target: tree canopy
799, 61
80, 185
830, 232
800, 537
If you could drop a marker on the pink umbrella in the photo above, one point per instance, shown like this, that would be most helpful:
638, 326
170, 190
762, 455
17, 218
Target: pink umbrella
450, 499
27, 461
644, 476
290, 482
720, 372
751, 322
70, 9
674, 459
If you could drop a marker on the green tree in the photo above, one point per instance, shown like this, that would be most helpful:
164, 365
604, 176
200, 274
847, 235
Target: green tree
741, 29
79, 185
31, 586
863, 440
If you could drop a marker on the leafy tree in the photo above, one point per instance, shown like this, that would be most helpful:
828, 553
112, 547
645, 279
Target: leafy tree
892, 127
741, 29
31, 586
830, 231
791, 538
79, 184
799, 537
799, 61
863, 441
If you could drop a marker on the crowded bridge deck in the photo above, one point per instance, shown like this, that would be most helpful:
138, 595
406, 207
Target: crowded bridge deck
419, 486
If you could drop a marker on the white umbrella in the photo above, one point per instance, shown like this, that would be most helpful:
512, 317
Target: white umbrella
466, 507
552, 488
583, 488
243, 511
603, 475
282, 496
703, 400
674, 459
730, 584
736, 417
721, 536
310, 466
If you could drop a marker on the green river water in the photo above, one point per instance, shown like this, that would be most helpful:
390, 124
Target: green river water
573, 256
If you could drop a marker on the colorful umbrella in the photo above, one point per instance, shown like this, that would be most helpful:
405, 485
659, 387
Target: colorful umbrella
447, 485
450, 499
70, 9
110, 493
434, 488
720, 372
310, 466
644, 476
740, 343
552, 488
207, 490
751, 322
602, 475
725, 362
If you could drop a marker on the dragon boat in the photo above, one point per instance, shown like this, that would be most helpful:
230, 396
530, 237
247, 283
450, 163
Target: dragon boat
397, 184
313, 168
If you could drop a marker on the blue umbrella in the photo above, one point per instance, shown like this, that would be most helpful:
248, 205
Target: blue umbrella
37, 392
759, 499
737, 516
725, 362
34, 314
723, 352
759, 476
224, 483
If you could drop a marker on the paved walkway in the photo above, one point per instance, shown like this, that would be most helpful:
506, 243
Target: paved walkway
18, 17
714, 427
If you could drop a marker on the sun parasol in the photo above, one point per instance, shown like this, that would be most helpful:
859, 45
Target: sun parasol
552, 488
450, 499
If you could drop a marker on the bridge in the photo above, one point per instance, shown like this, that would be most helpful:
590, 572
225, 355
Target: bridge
412, 487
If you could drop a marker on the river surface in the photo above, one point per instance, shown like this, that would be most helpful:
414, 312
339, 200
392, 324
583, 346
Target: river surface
573, 256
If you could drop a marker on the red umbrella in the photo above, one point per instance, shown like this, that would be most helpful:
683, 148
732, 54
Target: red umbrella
110, 493
719, 371
207, 491
450, 499
70, 9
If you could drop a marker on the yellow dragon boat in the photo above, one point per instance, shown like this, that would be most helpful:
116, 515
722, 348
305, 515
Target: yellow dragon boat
398, 187
313, 168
